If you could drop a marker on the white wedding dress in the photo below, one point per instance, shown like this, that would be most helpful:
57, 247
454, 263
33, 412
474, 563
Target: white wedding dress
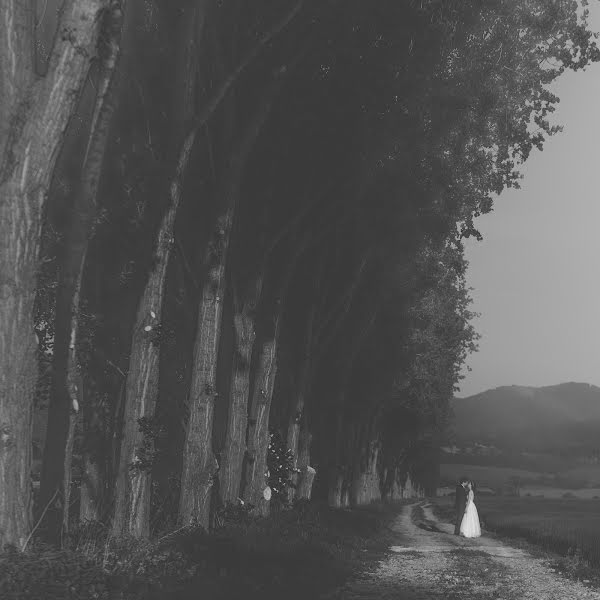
469, 526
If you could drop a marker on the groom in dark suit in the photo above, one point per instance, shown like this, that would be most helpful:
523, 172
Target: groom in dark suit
460, 503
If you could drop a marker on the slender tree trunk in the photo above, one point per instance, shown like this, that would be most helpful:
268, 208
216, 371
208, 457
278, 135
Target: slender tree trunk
306, 473
133, 477
335, 470
199, 462
132, 487
66, 399
297, 418
336, 485
258, 436
365, 482
34, 114
91, 494
230, 473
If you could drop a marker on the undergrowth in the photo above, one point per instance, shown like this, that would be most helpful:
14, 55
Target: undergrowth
299, 553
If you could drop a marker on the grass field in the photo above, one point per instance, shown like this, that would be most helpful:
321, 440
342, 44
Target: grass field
569, 527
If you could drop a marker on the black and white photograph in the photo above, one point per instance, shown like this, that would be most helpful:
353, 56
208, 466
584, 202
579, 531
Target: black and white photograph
299, 299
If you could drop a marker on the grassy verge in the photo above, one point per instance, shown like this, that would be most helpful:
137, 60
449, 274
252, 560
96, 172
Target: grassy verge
294, 554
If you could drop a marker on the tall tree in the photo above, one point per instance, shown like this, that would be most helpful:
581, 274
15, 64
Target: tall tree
34, 113
67, 400
133, 480
199, 462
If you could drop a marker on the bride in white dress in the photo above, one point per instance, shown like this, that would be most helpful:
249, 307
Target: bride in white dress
469, 526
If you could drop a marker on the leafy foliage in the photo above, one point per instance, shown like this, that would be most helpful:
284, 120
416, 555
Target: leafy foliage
280, 465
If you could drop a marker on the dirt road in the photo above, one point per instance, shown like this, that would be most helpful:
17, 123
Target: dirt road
430, 563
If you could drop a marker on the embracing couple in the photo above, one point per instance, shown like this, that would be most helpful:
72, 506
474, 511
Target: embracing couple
467, 518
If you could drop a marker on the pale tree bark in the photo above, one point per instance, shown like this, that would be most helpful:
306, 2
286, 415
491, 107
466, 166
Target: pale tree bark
132, 486
133, 478
67, 399
34, 115
132, 489
199, 462
257, 442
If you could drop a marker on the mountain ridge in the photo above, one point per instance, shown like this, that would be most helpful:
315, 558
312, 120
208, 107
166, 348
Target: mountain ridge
558, 418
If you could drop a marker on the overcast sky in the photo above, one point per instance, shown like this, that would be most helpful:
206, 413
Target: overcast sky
536, 274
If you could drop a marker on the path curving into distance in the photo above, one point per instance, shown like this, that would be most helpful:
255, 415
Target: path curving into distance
428, 562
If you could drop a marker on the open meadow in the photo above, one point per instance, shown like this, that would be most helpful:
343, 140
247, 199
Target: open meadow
567, 526
582, 481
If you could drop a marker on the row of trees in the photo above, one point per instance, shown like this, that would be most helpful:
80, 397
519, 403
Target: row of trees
225, 219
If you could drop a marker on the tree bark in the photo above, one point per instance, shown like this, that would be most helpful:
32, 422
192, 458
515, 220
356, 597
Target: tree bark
132, 487
297, 418
91, 492
306, 473
305, 483
66, 399
365, 483
230, 472
34, 116
134, 472
258, 436
336, 485
196, 486
199, 462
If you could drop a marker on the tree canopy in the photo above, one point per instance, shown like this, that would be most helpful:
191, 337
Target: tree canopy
254, 228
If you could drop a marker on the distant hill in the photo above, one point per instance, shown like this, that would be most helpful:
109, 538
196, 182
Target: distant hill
560, 419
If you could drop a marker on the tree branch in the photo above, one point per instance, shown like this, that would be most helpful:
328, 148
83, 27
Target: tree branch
213, 102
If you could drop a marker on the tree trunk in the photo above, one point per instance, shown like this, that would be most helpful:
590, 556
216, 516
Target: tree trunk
258, 436
230, 472
34, 115
297, 418
336, 485
306, 473
305, 483
132, 487
133, 478
199, 462
365, 483
66, 399
91, 492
